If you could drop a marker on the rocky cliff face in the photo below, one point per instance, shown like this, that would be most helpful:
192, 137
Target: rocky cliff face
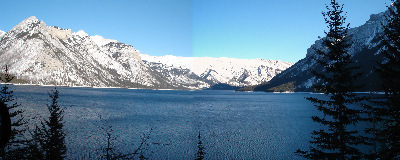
365, 54
44, 54
51, 55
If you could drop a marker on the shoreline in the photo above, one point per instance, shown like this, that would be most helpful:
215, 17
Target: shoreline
163, 89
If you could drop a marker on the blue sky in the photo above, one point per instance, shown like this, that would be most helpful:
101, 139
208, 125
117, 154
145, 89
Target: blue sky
269, 29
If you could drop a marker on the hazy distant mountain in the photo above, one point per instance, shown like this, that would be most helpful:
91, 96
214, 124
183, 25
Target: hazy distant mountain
235, 72
365, 53
43, 54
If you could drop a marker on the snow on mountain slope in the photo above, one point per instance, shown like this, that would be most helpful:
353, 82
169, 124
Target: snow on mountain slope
44, 54
2, 33
100, 41
365, 46
34, 52
236, 72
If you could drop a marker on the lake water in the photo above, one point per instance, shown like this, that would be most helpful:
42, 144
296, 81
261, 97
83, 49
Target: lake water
233, 125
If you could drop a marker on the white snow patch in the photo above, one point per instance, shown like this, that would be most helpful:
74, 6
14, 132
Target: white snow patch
81, 33
100, 41
310, 82
2, 33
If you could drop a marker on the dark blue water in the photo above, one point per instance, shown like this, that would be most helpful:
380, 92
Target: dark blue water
234, 125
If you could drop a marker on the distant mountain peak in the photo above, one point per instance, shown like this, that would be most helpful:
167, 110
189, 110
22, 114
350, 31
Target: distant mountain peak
43, 54
28, 25
31, 19
377, 17
81, 33
101, 41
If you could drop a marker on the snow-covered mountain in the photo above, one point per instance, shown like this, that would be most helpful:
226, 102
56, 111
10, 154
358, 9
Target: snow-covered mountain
235, 72
43, 54
52, 55
364, 50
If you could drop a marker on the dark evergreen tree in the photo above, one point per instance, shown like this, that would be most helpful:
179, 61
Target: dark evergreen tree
200, 149
374, 119
15, 149
335, 140
389, 110
5, 128
50, 135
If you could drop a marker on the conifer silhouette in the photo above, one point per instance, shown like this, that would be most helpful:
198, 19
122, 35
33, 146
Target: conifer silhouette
16, 148
50, 136
200, 152
337, 141
5, 128
387, 143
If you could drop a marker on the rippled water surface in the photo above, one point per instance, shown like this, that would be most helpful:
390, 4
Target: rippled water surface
233, 125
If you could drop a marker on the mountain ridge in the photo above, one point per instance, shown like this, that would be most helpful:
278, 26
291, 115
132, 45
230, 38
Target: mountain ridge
365, 53
42, 54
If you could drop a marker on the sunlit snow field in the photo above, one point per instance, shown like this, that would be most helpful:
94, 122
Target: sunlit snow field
234, 125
